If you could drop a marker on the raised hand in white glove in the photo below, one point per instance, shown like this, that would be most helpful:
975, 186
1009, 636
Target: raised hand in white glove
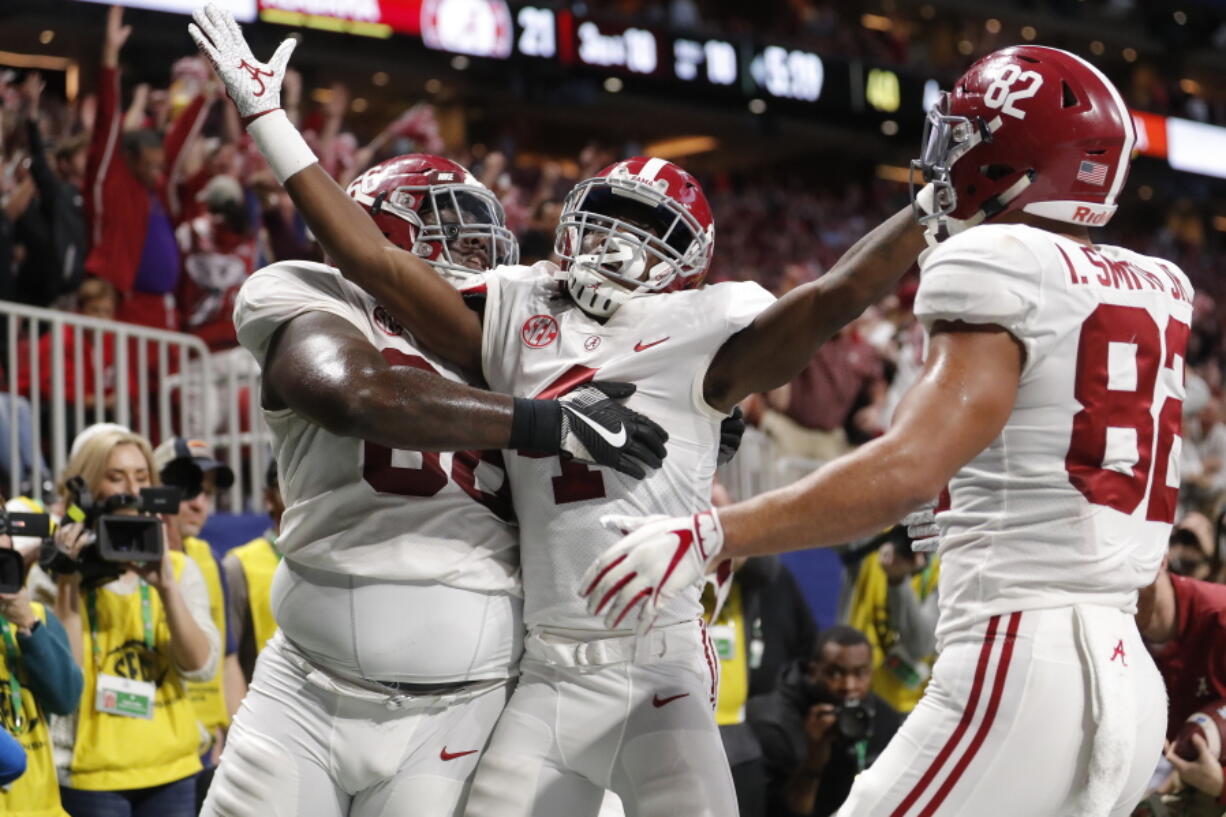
661, 557
254, 86
921, 525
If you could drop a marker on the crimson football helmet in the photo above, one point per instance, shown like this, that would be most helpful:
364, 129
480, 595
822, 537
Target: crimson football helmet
435, 209
640, 225
1030, 128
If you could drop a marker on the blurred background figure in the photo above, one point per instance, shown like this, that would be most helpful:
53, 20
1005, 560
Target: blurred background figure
822, 725
38, 678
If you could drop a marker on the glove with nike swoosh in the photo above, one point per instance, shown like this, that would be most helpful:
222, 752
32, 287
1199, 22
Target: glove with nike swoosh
598, 428
659, 558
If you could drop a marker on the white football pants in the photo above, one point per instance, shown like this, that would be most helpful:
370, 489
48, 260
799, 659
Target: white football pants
1046, 713
307, 744
591, 712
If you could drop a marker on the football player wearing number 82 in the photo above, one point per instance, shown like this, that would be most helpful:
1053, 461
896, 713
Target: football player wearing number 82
1049, 407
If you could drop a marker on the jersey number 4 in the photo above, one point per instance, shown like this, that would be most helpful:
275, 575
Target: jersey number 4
1119, 357
577, 482
429, 478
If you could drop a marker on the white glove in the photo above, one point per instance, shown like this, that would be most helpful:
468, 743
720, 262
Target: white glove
660, 558
254, 86
922, 528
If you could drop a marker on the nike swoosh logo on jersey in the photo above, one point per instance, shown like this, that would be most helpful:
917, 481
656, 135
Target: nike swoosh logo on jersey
642, 347
445, 755
658, 702
616, 440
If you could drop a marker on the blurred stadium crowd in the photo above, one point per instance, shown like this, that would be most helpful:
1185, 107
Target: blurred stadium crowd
151, 206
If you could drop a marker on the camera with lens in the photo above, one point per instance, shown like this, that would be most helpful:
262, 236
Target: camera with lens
854, 721
124, 528
12, 566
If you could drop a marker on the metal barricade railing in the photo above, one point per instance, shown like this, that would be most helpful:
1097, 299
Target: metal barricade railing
44, 348
239, 433
759, 466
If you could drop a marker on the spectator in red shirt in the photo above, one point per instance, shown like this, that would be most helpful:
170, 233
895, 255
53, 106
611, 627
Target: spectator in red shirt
219, 252
126, 197
1183, 622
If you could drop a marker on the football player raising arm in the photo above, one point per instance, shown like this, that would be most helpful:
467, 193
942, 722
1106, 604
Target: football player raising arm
324, 369
768, 353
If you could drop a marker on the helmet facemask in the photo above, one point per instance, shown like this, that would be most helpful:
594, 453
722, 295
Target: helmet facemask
617, 241
947, 139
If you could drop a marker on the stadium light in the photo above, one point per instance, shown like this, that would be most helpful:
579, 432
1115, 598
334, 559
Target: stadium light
876, 22
681, 146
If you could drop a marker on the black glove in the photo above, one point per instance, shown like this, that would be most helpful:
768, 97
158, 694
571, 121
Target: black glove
597, 428
731, 430
590, 424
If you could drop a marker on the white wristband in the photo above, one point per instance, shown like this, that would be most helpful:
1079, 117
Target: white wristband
282, 145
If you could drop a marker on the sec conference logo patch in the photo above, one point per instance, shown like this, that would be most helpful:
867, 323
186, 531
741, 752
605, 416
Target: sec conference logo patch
539, 331
384, 320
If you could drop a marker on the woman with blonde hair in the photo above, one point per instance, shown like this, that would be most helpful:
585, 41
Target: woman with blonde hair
132, 748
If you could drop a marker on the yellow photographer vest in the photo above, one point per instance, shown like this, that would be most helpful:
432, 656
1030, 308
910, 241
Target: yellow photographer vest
36, 793
869, 614
116, 752
209, 697
259, 559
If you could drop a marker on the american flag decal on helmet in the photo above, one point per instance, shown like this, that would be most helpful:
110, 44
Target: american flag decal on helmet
1092, 173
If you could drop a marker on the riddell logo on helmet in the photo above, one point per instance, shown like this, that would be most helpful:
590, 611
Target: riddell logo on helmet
1086, 215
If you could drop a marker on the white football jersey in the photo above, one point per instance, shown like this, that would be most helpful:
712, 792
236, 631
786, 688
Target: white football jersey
359, 508
1073, 502
538, 343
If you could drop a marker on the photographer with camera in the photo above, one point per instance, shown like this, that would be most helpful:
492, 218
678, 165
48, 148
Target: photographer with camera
137, 614
37, 677
821, 726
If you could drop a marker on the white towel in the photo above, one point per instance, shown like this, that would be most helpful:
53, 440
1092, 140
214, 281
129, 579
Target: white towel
1113, 709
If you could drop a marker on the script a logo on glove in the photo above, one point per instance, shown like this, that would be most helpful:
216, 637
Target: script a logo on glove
256, 75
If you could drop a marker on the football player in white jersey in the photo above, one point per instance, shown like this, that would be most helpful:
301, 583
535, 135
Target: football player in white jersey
1050, 405
398, 598
592, 710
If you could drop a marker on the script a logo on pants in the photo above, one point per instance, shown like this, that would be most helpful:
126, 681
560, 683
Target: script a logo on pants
539, 331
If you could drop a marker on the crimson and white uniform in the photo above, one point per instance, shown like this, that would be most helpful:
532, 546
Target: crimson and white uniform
1049, 533
595, 709
401, 569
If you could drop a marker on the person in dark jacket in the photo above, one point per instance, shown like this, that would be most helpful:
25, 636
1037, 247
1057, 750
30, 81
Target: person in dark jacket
821, 726
52, 229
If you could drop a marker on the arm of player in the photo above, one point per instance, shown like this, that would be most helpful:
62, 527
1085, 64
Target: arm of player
405, 285
323, 368
770, 351
957, 407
